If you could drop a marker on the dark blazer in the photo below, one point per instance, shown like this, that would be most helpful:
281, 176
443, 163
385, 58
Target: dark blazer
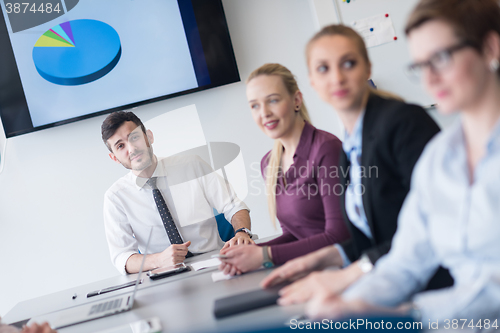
394, 136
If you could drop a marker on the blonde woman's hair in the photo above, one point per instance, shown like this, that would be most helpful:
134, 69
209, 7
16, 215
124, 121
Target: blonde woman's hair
274, 158
342, 30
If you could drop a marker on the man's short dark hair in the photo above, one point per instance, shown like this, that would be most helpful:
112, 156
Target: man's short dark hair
114, 121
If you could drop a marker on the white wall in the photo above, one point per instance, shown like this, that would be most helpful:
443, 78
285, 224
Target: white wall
51, 190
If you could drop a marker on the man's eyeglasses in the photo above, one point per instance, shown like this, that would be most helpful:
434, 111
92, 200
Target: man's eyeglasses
437, 63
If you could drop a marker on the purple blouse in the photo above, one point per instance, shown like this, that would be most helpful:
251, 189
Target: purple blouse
308, 207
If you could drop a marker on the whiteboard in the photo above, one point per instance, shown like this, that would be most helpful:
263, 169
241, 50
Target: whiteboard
388, 60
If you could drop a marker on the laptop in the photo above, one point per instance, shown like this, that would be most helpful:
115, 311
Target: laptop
93, 310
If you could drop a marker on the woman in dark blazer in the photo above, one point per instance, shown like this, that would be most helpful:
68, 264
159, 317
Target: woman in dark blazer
394, 135
383, 140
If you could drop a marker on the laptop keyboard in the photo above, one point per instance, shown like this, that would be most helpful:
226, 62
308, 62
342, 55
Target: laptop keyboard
106, 306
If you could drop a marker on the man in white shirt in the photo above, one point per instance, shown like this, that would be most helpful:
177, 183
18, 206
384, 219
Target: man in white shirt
188, 189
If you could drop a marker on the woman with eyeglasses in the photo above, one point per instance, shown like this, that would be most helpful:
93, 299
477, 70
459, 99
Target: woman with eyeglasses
451, 216
383, 140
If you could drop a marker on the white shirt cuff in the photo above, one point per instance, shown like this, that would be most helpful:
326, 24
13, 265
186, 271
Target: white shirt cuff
121, 261
229, 214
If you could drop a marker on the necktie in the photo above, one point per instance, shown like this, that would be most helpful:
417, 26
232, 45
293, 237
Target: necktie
166, 216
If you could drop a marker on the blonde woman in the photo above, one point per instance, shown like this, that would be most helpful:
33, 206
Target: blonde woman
302, 186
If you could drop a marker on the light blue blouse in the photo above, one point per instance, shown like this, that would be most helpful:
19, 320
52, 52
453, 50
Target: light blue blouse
353, 147
450, 221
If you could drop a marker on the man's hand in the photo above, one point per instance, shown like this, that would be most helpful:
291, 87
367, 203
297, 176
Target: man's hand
241, 259
240, 238
35, 328
174, 254
241, 219
328, 284
299, 267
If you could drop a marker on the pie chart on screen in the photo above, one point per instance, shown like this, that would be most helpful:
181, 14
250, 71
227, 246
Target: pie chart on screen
77, 52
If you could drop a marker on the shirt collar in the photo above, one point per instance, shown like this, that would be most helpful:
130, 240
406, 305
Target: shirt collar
306, 138
457, 138
494, 140
355, 139
159, 172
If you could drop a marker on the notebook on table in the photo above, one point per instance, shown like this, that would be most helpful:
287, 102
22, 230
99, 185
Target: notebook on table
252, 300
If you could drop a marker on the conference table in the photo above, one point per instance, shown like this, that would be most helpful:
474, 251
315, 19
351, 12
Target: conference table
183, 303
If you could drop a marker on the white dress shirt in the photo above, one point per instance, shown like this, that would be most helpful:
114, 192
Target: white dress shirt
450, 221
191, 190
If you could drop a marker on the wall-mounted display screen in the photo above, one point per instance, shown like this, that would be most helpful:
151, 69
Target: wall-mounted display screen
67, 60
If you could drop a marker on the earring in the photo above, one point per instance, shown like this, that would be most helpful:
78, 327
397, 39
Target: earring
297, 109
494, 65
